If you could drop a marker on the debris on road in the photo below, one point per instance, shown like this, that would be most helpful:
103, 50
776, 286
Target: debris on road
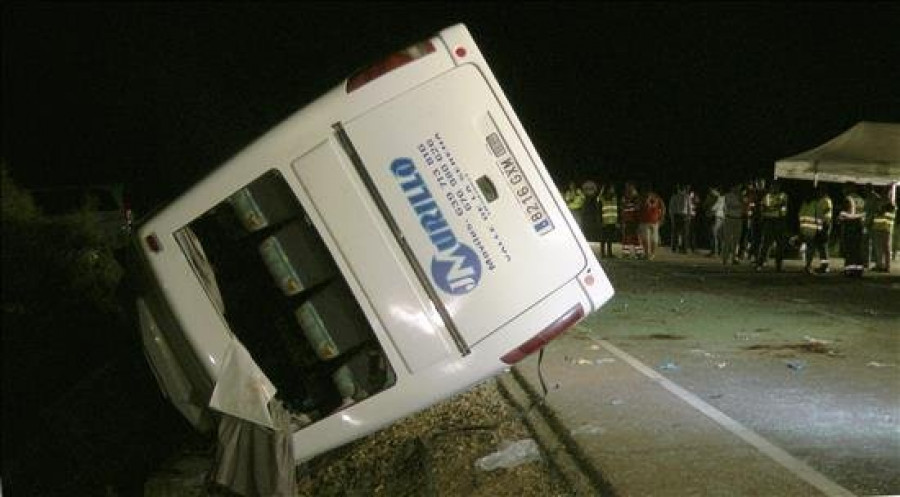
510, 455
668, 366
816, 341
658, 336
588, 430
875, 364
796, 365
811, 345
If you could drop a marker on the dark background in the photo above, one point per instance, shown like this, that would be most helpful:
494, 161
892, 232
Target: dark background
156, 95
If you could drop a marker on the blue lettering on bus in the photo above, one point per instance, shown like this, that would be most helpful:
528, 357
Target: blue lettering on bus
455, 267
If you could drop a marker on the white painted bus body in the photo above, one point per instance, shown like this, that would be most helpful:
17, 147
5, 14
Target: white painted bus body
440, 217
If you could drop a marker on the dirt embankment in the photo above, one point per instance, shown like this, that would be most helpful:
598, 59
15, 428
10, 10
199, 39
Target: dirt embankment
434, 453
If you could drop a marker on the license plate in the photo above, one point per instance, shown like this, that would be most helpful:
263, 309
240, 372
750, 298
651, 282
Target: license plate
525, 195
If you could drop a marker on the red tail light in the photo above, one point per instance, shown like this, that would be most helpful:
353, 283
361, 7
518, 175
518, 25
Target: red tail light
562, 323
153, 243
388, 64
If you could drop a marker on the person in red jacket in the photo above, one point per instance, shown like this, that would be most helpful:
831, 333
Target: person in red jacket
652, 210
629, 212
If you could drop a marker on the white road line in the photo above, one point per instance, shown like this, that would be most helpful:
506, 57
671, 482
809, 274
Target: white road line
789, 462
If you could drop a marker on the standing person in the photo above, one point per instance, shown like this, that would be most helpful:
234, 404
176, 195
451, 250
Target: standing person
852, 217
824, 215
590, 211
734, 221
680, 211
708, 217
896, 245
693, 230
609, 214
672, 217
774, 226
755, 214
630, 205
811, 226
652, 212
882, 232
574, 198
713, 207
718, 209
744, 240
871, 205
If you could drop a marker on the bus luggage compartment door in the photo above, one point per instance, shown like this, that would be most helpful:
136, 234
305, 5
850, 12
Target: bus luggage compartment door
469, 198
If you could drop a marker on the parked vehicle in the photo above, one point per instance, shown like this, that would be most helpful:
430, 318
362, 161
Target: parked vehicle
108, 203
391, 244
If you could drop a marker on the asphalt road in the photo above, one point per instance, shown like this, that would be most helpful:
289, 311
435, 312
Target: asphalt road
809, 363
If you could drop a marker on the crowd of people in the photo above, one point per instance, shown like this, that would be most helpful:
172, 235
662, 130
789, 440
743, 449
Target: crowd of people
751, 222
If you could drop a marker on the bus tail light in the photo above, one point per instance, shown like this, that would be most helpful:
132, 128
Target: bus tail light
388, 64
153, 242
535, 343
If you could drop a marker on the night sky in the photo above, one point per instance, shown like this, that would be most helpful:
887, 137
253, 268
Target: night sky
156, 95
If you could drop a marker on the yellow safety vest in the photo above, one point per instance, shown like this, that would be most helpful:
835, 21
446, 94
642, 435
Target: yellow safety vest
774, 205
809, 223
610, 212
574, 199
826, 209
884, 222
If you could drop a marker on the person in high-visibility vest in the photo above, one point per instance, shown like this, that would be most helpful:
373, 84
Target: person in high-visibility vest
812, 225
609, 213
574, 198
852, 217
825, 214
871, 203
882, 232
774, 206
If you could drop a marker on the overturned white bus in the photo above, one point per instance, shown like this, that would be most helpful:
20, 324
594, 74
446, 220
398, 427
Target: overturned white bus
391, 244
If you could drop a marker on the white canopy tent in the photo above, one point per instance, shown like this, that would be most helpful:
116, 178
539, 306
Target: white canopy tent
868, 152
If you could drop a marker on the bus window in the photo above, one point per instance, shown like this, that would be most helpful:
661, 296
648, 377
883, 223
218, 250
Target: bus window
271, 277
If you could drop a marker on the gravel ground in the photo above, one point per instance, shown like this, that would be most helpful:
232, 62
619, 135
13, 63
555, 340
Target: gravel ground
434, 453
